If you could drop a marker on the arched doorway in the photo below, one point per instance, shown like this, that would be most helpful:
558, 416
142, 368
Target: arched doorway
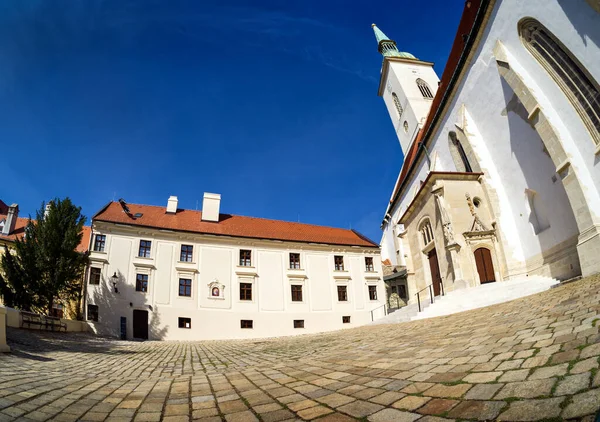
485, 267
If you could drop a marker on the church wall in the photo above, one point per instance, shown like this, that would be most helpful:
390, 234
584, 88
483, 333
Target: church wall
512, 153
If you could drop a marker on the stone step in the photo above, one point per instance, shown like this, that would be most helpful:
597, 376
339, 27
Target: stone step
486, 295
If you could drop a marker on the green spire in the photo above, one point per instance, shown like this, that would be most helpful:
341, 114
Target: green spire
387, 47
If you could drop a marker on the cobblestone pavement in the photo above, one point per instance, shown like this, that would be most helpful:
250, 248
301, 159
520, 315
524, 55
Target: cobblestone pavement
535, 358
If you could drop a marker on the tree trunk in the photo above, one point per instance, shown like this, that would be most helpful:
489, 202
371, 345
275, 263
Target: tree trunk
50, 306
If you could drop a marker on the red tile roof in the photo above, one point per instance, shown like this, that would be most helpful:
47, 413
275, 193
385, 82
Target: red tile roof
19, 230
462, 43
231, 225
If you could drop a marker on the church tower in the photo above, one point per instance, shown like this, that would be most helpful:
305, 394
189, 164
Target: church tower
407, 86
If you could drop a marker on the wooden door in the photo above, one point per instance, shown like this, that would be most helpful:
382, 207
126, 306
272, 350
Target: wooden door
436, 278
140, 324
485, 267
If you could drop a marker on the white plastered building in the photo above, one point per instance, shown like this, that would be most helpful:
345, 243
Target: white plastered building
165, 273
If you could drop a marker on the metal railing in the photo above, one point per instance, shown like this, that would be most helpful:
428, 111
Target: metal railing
430, 287
379, 307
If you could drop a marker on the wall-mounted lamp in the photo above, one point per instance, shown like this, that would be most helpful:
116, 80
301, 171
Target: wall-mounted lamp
114, 279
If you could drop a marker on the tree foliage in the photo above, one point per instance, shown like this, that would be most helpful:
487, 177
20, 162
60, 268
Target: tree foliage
45, 265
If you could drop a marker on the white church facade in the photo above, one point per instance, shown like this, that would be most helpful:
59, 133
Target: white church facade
166, 273
501, 171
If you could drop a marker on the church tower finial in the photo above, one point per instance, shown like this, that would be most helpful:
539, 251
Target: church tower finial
387, 47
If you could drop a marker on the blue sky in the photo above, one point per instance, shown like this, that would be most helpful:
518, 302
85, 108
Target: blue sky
272, 104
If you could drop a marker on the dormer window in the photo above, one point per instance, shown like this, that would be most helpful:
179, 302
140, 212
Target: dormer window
424, 88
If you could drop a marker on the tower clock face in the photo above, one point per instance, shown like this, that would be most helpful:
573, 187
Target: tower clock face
389, 87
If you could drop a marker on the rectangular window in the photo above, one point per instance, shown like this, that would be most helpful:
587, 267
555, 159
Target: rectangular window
298, 323
141, 283
345, 320
145, 248
372, 292
245, 291
185, 287
295, 261
342, 293
95, 274
246, 323
296, 293
369, 264
99, 243
185, 322
92, 312
339, 263
245, 258
186, 253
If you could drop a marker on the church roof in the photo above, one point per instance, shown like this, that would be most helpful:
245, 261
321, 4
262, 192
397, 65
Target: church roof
468, 27
231, 225
387, 47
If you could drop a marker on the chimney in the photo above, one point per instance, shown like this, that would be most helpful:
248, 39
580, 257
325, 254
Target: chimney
210, 207
11, 219
172, 205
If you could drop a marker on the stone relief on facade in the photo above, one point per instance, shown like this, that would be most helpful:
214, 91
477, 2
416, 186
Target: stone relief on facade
446, 222
216, 290
477, 225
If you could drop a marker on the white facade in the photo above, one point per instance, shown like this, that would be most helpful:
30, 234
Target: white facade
214, 305
541, 179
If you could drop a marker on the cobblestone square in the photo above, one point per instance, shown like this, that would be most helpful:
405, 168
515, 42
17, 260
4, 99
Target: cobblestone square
530, 359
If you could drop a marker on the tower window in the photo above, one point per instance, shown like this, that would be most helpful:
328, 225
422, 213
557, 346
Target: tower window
399, 109
405, 126
570, 75
424, 88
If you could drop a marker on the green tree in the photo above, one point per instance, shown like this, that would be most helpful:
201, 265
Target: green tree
45, 265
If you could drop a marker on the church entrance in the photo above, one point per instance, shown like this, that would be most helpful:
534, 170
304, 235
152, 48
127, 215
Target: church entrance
436, 278
485, 267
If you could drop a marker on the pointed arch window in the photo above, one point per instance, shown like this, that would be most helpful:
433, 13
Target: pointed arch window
461, 161
397, 104
571, 76
426, 232
424, 88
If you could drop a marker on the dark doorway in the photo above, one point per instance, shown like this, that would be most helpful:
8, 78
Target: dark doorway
140, 324
436, 278
485, 267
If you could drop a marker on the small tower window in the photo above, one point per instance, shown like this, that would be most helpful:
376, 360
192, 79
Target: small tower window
424, 88
399, 109
568, 73
405, 126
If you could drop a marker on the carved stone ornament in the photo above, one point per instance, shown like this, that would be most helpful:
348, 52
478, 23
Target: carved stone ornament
477, 225
216, 290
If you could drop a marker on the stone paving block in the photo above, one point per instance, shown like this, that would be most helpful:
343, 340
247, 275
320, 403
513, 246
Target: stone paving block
572, 384
314, 412
416, 388
483, 391
387, 415
411, 402
532, 410
482, 377
584, 366
360, 409
535, 361
481, 410
387, 398
526, 389
549, 371
565, 356
335, 399
583, 404
334, 417
510, 364
437, 406
277, 415
441, 390
511, 376
246, 416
